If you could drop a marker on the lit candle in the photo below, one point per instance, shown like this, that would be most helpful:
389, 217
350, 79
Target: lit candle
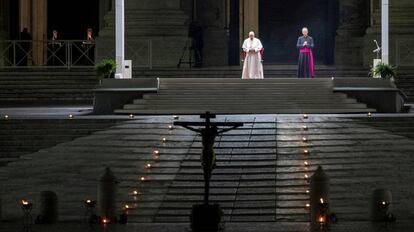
126, 207
306, 152
321, 200
305, 128
306, 163
142, 179
6, 116
369, 114
322, 220
131, 116
307, 191
305, 116
304, 139
156, 152
307, 205
171, 127
175, 117
25, 202
135, 192
71, 116
164, 140
105, 221
306, 176
148, 166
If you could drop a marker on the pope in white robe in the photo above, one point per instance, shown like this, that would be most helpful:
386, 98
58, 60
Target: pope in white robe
253, 67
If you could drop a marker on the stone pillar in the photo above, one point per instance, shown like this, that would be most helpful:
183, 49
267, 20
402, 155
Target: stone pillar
152, 28
249, 18
353, 21
212, 16
39, 32
25, 14
4, 28
120, 38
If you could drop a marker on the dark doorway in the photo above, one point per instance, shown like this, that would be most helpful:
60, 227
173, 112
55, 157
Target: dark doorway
234, 29
281, 23
72, 18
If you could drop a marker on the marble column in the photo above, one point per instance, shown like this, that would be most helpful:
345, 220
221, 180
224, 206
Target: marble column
249, 18
25, 14
39, 32
4, 28
152, 28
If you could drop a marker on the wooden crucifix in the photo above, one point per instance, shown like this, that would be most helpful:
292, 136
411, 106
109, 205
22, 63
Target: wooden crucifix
208, 131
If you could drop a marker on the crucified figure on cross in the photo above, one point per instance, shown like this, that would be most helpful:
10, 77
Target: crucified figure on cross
208, 131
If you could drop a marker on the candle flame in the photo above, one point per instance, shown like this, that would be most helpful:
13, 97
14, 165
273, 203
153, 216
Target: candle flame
25, 202
321, 200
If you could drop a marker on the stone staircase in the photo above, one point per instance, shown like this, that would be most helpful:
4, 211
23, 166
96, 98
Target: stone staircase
236, 96
19, 137
260, 174
37, 86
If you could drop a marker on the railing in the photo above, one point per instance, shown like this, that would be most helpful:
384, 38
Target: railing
69, 53
56, 53
404, 52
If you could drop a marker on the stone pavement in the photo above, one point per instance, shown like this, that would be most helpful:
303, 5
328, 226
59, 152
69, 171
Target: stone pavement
259, 179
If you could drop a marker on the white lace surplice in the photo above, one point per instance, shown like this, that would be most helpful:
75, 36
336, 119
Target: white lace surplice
253, 67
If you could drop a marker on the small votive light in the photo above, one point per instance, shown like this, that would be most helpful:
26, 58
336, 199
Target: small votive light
306, 163
321, 200
307, 191
306, 152
142, 179
307, 205
25, 202
156, 152
304, 139
322, 220
71, 116
369, 114
175, 117
170, 127
306, 176
305, 116
131, 116
6, 116
135, 192
105, 221
148, 166
126, 206
305, 128
164, 140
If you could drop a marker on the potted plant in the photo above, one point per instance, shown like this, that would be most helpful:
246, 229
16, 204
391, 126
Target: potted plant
105, 69
385, 71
